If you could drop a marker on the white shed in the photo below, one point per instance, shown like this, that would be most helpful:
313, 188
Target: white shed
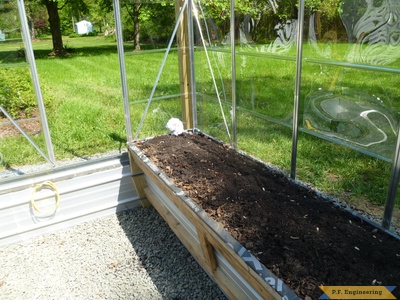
83, 27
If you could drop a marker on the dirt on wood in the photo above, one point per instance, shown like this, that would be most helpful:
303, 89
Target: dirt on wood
304, 239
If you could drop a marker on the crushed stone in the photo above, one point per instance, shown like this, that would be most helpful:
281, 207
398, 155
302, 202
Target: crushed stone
130, 255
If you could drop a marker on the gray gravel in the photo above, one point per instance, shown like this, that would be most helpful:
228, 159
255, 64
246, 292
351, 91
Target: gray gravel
131, 255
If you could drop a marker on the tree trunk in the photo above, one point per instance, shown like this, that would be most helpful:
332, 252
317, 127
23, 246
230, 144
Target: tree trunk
136, 26
31, 24
55, 27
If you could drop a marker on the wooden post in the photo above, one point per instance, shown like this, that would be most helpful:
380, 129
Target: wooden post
182, 38
139, 181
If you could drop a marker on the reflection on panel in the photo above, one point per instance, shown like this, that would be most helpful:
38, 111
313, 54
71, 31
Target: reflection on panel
355, 31
376, 34
360, 119
357, 104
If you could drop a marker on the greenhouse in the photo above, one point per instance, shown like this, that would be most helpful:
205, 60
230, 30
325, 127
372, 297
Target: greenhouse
261, 137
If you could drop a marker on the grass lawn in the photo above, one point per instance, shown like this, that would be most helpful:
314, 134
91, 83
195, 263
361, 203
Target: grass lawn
85, 111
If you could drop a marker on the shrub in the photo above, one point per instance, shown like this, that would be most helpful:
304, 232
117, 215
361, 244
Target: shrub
16, 92
93, 33
73, 35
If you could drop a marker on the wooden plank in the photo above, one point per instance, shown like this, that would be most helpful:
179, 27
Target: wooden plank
136, 170
208, 250
182, 38
262, 287
231, 290
139, 181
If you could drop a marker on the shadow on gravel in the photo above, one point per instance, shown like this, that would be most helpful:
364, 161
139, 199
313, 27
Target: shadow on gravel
172, 269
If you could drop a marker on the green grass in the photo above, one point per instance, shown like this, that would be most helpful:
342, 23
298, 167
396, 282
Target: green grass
85, 110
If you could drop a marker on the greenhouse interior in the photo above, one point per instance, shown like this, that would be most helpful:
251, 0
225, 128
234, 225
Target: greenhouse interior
303, 92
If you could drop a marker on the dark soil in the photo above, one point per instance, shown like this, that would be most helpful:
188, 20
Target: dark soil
301, 237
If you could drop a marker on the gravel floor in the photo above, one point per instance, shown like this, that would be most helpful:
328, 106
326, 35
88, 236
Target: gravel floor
131, 255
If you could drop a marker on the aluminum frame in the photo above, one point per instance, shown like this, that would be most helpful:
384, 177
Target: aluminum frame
32, 66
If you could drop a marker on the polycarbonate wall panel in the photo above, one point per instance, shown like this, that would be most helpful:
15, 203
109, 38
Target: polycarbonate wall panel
214, 92
152, 69
350, 99
21, 136
213, 68
350, 74
153, 103
11, 43
265, 81
354, 106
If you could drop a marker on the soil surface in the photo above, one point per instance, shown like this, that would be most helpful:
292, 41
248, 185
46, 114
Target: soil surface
304, 239
30, 126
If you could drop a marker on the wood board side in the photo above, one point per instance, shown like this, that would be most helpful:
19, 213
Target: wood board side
262, 287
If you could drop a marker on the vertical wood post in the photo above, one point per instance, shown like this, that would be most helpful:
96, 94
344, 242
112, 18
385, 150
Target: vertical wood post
139, 181
182, 37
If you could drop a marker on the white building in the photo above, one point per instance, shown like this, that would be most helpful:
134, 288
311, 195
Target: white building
83, 27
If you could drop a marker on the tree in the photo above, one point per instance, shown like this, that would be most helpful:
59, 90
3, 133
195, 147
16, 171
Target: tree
53, 9
7, 18
102, 18
134, 11
36, 15
138, 13
55, 27
5, 6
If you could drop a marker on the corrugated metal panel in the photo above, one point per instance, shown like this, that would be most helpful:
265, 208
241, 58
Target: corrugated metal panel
87, 191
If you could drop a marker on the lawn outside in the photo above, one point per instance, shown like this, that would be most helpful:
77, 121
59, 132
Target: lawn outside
83, 98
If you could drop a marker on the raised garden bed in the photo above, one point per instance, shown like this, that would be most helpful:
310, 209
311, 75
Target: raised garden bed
263, 223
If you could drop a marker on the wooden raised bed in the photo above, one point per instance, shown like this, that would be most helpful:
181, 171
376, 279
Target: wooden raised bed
233, 268
237, 270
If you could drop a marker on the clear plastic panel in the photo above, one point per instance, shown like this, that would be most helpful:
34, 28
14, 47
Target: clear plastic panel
214, 92
350, 72
359, 180
353, 106
21, 137
155, 21
350, 96
12, 48
213, 68
152, 68
153, 102
268, 141
265, 71
20, 123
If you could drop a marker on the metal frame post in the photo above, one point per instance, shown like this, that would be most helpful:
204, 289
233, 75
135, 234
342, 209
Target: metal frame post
392, 191
297, 91
192, 65
32, 66
233, 58
122, 68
